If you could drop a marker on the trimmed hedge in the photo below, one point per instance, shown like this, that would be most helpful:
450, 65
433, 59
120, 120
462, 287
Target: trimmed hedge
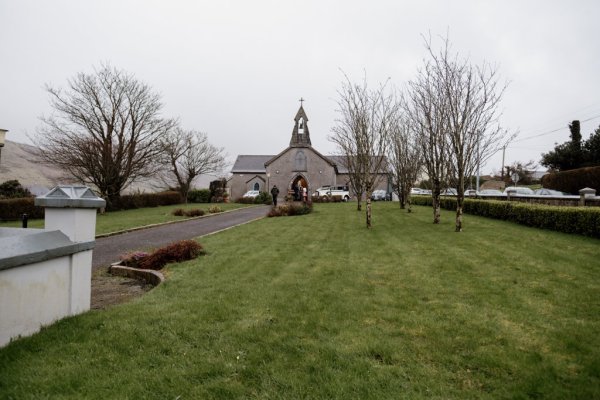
573, 180
13, 209
199, 196
143, 200
579, 220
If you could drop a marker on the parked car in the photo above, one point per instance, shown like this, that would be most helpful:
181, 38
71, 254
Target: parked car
490, 192
470, 192
548, 192
449, 192
380, 195
322, 191
343, 191
518, 190
251, 193
416, 191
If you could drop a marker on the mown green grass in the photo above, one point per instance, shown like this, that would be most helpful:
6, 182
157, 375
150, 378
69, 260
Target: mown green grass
316, 306
121, 220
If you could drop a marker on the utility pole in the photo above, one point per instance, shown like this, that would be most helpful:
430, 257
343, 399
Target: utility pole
478, 166
503, 150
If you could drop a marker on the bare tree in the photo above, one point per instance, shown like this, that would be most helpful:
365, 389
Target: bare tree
362, 135
405, 159
104, 130
426, 112
187, 155
471, 97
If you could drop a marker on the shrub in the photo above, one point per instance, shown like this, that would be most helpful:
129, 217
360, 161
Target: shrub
573, 180
176, 252
290, 210
196, 212
142, 200
263, 198
133, 259
214, 209
198, 196
13, 209
178, 212
327, 199
579, 220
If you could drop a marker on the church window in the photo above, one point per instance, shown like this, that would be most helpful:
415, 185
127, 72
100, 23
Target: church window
300, 161
256, 186
301, 126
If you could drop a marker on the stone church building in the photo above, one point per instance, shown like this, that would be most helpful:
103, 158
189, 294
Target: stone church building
297, 165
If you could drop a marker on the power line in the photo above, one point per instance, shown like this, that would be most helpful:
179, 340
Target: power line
552, 131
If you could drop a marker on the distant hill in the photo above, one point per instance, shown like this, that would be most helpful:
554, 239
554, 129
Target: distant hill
18, 161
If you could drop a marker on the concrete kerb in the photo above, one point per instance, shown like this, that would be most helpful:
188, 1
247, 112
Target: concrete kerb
154, 278
139, 228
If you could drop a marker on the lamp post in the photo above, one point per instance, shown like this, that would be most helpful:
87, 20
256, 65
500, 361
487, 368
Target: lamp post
2, 136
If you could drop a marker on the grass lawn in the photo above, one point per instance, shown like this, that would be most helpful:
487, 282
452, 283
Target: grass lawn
316, 306
127, 219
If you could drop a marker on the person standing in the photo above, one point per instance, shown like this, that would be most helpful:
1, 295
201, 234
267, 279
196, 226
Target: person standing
305, 194
275, 193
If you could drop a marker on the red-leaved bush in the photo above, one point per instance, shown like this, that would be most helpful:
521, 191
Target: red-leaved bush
176, 252
133, 259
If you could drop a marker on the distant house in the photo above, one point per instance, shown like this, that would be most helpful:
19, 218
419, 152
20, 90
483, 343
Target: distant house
298, 166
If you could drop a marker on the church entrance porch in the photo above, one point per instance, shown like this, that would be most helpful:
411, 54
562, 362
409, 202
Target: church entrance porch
298, 187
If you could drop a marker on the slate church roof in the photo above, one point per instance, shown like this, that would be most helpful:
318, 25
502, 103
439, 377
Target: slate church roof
300, 138
250, 164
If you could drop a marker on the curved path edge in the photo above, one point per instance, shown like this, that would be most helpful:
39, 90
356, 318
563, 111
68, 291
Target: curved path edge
108, 249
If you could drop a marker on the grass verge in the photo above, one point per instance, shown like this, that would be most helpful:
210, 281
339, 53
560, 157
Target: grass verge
316, 306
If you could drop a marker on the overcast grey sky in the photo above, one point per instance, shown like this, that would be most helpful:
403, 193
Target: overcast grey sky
236, 69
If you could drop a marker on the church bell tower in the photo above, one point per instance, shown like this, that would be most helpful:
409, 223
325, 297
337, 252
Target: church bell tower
300, 135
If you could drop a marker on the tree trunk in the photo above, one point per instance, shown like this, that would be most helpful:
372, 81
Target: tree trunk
409, 203
368, 211
436, 205
459, 213
358, 203
402, 199
460, 197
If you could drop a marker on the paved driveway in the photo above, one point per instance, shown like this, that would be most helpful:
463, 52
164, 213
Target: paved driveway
108, 249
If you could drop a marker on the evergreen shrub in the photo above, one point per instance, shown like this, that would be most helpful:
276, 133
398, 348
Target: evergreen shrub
573, 180
263, 198
199, 196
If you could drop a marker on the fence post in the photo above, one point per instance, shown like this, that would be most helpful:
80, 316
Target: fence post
585, 192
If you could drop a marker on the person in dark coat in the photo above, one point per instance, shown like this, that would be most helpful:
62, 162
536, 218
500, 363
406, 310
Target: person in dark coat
274, 193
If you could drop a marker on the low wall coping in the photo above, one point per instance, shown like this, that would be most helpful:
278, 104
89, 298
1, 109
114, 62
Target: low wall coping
28, 246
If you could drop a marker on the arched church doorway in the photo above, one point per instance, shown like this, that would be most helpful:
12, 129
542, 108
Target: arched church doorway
298, 185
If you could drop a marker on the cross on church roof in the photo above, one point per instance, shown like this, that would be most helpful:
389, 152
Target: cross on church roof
301, 100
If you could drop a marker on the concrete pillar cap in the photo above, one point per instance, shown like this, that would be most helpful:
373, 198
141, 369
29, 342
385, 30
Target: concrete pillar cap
66, 196
587, 190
